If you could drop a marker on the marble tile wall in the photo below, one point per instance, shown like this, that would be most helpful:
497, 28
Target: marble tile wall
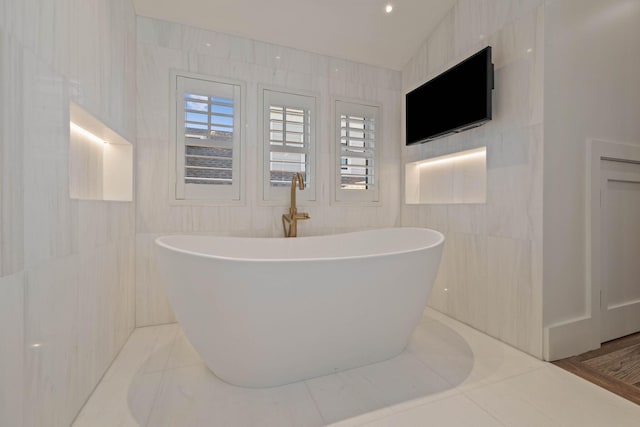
12, 349
66, 266
164, 46
490, 277
11, 207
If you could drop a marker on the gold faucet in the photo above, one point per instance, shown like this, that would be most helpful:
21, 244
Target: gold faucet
293, 216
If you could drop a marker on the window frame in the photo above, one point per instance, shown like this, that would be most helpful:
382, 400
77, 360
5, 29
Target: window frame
181, 193
275, 196
368, 197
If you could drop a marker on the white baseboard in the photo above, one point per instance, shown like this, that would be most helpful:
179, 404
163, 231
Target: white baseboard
570, 338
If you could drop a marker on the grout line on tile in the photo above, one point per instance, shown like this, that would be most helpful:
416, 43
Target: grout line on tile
155, 398
432, 369
190, 365
102, 376
162, 378
521, 395
153, 348
315, 404
501, 380
155, 325
484, 410
173, 347
488, 382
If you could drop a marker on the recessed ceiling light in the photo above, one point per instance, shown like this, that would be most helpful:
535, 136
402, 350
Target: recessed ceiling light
388, 8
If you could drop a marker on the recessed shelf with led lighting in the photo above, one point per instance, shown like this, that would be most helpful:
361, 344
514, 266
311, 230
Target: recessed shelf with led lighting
452, 179
100, 160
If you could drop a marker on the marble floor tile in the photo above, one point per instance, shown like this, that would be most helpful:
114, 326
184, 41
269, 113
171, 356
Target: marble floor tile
147, 350
193, 396
452, 412
183, 354
451, 353
398, 380
109, 407
449, 375
510, 406
126, 393
569, 400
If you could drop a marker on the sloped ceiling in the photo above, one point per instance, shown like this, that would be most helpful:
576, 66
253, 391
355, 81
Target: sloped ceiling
358, 30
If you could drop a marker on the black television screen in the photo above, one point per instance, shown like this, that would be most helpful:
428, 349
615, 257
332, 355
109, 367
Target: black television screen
456, 100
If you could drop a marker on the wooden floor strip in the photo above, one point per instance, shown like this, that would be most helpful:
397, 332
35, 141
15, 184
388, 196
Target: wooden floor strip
615, 366
623, 364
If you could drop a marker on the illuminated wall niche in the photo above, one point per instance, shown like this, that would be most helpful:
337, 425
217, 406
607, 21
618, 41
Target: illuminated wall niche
100, 160
455, 178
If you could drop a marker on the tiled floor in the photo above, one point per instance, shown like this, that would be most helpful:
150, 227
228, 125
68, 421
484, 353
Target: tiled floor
450, 375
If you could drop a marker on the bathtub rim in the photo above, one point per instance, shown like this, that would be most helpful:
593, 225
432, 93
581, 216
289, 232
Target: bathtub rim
440, 240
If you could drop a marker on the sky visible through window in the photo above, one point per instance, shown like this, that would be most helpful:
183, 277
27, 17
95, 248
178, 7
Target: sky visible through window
208, 131
207, 117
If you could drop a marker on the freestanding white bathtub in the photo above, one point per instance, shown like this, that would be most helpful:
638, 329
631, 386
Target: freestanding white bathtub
263, 312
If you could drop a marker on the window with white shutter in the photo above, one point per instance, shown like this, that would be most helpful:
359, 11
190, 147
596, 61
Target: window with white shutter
356, 152
207, 139
288, 144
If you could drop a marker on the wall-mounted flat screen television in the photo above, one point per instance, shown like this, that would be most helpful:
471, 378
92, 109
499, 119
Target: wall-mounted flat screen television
454, 101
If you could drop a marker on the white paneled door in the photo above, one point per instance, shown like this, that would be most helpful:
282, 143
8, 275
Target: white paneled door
620, 227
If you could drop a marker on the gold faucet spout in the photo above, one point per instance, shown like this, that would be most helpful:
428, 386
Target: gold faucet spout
299, 179
293, 217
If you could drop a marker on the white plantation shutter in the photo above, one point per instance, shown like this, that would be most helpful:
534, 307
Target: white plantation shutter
289, 143
208, 139
357, 168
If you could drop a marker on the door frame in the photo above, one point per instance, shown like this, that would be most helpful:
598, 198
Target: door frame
599, 150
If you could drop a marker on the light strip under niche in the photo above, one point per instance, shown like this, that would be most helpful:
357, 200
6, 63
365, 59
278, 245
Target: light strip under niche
85, 133
456, 157
456, 178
